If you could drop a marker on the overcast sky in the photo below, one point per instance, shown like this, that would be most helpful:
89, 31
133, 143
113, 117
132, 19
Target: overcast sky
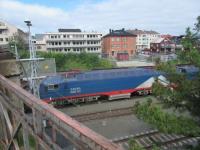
164, 16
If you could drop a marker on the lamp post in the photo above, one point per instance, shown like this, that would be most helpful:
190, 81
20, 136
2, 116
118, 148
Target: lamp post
32, 52
33, 63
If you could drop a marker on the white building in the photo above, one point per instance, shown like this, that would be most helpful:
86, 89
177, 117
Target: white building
7, 32
74, 41
40, 42
144, 38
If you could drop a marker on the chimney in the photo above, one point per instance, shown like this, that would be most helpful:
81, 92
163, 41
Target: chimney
110, 30
123, 29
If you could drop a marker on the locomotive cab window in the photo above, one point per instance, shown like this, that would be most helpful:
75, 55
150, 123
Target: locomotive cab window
52, 86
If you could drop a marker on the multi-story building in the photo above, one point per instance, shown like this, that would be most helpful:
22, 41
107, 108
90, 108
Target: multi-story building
73, 40
144, 38
40, 42
7, 32
162, 45
118, 43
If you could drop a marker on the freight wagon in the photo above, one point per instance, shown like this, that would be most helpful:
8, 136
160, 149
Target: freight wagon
110, 84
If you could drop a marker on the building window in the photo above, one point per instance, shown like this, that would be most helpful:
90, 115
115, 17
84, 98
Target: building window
113, 39
7, 40
125, 46
124, 39
1, 39
118, 39
113, 52
64, 36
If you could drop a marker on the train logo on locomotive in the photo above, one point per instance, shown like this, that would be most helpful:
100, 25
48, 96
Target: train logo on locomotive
75, 90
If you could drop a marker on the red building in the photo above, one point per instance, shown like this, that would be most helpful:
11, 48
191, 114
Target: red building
119, 44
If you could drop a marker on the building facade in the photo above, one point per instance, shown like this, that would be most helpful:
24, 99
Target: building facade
162, 45
7, 33
119, 43
144, 38
40, 42
72, 41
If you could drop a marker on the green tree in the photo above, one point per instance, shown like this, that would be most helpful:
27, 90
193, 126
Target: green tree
20, 42
186, 94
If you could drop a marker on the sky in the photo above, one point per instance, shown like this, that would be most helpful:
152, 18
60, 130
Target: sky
164, 16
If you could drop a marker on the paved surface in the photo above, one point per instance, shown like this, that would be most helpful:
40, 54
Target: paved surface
118, 127
134, 63
114, 127
103, 106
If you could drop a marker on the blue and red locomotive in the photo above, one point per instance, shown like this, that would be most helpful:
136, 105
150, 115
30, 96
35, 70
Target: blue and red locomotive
92, 85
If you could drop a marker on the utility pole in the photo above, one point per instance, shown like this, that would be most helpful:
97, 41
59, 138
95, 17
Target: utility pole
32, 63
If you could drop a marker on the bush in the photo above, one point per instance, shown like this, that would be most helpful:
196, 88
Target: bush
134, 146
166, 122
82, 61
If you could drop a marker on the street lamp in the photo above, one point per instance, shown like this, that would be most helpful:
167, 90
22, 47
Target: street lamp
33, 63
28, 23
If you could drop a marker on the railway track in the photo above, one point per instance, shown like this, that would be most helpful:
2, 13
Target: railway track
103, 114
165, 141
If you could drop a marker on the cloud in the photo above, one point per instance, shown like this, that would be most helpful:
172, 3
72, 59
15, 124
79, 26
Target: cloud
43, 18
165, 16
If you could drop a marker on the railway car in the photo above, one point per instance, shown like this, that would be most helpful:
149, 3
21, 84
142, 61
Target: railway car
93, 85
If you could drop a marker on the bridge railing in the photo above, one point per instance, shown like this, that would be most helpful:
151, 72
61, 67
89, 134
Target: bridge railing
20, 111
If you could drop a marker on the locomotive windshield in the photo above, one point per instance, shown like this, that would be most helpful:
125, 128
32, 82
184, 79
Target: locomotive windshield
52, 86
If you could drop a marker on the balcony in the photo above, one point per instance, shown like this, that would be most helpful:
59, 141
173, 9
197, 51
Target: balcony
71, 46
74, 39
3, 28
